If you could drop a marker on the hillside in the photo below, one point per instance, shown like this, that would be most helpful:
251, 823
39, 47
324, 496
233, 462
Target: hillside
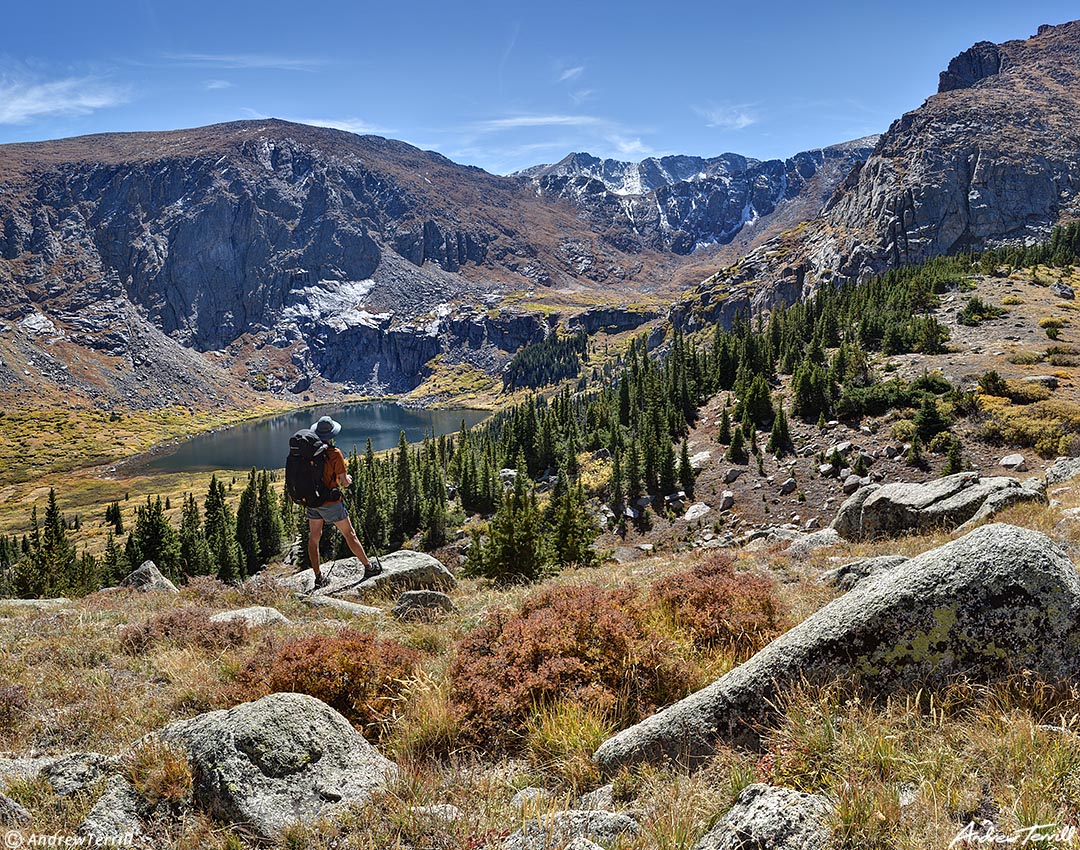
831, 623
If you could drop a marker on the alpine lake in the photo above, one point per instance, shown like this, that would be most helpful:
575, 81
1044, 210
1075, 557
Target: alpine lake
264, 443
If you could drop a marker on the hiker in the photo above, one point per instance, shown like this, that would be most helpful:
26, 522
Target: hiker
337, 479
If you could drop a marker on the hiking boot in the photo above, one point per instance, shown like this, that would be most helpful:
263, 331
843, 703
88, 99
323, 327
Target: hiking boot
321, 581
372, 569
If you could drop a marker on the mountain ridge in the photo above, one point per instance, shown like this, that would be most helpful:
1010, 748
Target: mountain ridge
297, 257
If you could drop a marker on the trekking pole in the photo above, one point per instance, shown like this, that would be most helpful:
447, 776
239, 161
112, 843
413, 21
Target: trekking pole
370, 548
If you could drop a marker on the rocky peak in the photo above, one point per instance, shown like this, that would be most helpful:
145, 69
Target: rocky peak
976, 63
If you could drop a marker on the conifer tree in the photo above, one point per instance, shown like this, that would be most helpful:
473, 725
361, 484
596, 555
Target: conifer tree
220, 527
268, 525
686, 471
574, 531
780, 437
114, 564
516, 549
928, 420
724, 435
914, 455
618, 485
667, 470
406, 495
634, 486
736, 452
154, 539
195, 559
954, 461
246, 532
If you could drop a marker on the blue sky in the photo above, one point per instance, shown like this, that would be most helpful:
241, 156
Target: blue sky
503, 84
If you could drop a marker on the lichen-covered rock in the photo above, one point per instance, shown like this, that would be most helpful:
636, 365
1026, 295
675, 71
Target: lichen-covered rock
11, 813
116, 815
899, 508
848, 521
769, 818
1000, 598
285, 758
599, 798
353, 609
76, 772
531, 797
256, 615
1063, 469
401, 571
405, 570
696, 512
420, 604
555, 830
846, 576
148, 578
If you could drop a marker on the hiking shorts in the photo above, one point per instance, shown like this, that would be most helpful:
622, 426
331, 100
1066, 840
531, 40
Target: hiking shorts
330, 512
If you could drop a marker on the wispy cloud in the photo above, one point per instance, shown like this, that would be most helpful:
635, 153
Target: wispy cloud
23, 99
349, 125
513, 122
571, 73
727, 117
511, 142
213, 85
245, 61
581, 96
516, 31
630, 147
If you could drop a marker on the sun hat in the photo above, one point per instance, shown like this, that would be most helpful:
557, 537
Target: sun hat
326, 428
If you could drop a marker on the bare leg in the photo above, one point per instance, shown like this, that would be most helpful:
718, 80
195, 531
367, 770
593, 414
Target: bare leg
315, 527
345, 526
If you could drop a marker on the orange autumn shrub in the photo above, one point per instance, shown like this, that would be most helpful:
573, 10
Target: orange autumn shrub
359, 675
718, 606
582, 643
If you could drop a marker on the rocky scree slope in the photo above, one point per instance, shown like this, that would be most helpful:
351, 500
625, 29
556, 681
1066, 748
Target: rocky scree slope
357, 258
993, 158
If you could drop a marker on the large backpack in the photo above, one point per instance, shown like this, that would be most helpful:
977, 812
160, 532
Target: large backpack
304, 469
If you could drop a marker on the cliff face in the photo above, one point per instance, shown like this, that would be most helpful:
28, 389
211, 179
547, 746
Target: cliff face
992, 158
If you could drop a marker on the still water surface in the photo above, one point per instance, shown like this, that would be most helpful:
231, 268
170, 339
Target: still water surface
264, 444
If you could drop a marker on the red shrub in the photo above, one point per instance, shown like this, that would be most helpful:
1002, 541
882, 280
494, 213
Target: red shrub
355, 673
189, 626
720, 607
565, 642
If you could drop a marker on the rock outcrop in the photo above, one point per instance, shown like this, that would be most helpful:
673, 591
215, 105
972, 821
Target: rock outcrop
256, 615
555, 830
422, 605
765, 816
999, 599
401, 571
116, 815
11, 813
874, 512
148, 579
282, 759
